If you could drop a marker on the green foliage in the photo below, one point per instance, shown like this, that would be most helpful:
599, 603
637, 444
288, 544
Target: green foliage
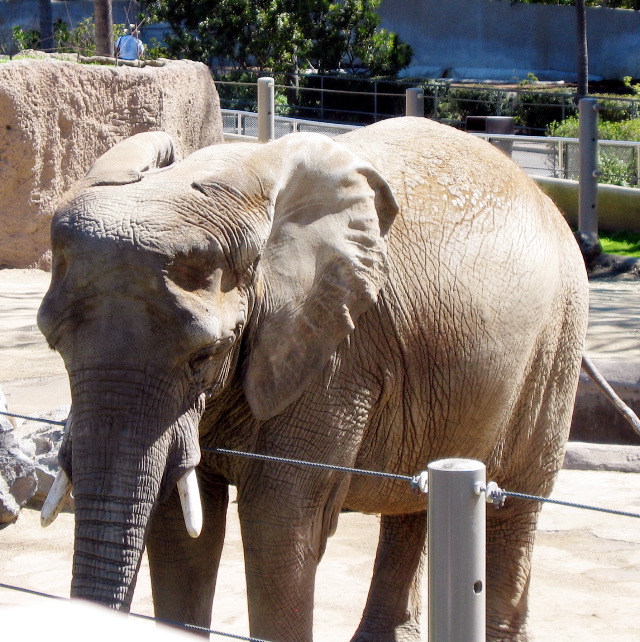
531, 79
155, 50
535, 110
617, 165
631, 88
26, 39
81, 39
607, 130
281, 35
626, 243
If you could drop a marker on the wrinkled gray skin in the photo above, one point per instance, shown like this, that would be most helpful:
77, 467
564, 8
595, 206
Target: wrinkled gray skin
401, 295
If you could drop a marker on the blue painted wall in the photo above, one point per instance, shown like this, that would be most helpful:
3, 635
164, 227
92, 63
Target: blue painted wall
493, 39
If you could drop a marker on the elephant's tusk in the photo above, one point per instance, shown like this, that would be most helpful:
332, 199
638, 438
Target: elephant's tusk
56, 499
190, 500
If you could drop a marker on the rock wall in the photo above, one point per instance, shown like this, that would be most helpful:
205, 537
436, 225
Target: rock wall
58, 116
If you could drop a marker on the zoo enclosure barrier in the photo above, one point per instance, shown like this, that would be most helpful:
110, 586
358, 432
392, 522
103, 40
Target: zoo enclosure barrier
456, 567
319, 97
548, 156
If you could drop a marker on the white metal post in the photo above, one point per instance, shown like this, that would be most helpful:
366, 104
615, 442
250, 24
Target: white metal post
588, 209
457, 545
415, 102
266, 110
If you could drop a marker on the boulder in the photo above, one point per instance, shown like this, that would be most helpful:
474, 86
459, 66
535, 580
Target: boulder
595, 419
611, 457
17, 474
44, 440
58, 116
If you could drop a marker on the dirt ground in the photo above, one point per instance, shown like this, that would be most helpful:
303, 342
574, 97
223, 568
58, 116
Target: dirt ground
586, 566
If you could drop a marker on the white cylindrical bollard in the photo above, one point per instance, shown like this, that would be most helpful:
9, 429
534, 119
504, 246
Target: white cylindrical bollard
457, 545
266, 110
415, 102
588, 207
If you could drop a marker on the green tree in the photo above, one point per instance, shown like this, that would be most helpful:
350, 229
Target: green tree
281, 35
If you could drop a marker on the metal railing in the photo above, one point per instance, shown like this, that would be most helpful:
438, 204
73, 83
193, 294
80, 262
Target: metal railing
619, 161
242, 124
550, 156
317, 97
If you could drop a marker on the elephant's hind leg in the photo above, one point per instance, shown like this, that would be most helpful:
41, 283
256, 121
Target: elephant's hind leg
184, 569
532, 456
393, 608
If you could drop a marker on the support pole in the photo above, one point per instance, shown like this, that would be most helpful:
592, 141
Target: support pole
457, 545
266, 110
588, 209
415, 102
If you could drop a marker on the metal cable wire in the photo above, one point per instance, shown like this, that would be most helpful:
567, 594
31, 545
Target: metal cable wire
190, 627
414, 481
300, 462
39, 419
548, 500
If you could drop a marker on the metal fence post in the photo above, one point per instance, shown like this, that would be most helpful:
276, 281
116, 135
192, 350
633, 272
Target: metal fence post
456, 555
266, 110
588, 210
415, 102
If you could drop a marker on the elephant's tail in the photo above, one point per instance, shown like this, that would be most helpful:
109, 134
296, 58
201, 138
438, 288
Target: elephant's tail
596, 376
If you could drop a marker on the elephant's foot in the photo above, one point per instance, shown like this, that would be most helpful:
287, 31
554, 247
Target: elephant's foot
506, 634
409, 632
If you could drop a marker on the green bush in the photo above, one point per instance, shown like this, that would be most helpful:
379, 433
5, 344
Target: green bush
81, 39
26, 39
535, 110
607, 130
617, 165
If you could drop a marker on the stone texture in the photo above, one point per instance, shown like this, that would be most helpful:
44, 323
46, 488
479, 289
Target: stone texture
58, 116
595, 419
45, 439
584, 456
17, 474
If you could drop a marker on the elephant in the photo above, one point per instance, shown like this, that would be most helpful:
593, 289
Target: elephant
399, 294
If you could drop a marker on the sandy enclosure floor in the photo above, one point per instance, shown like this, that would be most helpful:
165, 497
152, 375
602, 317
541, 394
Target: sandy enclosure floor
586, 568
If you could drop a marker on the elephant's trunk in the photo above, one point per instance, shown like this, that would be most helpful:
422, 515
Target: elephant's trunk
109, 540
124, 452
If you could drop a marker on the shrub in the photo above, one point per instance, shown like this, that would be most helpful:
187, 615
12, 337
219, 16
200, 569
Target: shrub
607, 130
617, 164
26, 39
535, 110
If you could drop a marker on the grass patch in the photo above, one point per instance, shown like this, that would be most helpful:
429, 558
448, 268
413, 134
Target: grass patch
625, 243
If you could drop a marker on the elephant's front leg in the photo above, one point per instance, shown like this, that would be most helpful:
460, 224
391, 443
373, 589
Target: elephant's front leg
285, 524
184, 569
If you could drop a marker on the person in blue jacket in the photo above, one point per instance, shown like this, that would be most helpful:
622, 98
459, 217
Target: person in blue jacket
129, 46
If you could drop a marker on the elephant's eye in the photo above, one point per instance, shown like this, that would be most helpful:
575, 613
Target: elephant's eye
191, 272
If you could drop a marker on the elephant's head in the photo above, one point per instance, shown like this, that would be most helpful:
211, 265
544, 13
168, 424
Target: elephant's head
168, 278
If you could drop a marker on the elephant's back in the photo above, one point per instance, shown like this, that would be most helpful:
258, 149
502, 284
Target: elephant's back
466, 209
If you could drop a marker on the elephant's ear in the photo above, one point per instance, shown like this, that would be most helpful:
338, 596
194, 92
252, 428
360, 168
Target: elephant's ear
126, 161
322, 267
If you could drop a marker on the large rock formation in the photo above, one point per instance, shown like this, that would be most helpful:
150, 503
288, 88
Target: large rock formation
18, 479
57, 117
